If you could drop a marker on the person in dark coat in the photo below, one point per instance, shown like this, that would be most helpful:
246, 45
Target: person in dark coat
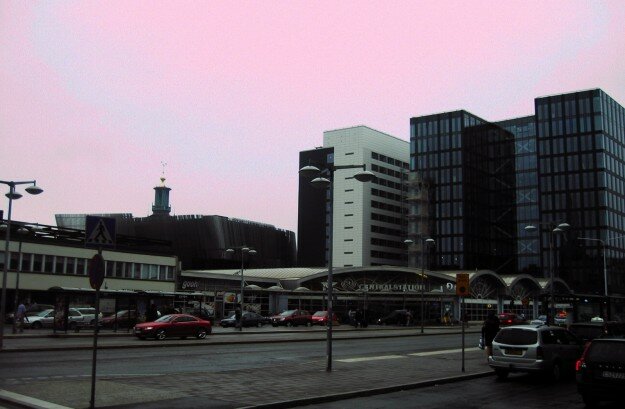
489, 331
151, 314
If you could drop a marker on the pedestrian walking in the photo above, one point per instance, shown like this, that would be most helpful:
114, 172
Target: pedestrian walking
20, 315
490, 328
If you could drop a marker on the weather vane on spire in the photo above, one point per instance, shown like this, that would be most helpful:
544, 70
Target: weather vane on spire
163, 164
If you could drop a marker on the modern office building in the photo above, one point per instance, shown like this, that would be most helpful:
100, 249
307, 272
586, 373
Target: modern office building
565, 167
367, 218
467, 165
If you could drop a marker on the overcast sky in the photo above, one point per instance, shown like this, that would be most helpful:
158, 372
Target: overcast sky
95, 95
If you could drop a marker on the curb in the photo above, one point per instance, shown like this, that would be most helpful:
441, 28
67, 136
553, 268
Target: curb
27, 401
369, 392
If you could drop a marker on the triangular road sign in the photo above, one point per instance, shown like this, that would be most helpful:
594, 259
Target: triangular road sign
100, 235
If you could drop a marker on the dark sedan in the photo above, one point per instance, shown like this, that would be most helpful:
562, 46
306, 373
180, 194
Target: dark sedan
601, 371
249, 319
174, 325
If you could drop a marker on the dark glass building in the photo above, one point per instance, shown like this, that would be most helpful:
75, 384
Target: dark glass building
568, 167
469, 168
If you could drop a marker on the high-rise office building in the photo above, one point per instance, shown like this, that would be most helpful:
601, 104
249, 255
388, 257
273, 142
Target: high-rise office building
468, 165
367, 223
568, 167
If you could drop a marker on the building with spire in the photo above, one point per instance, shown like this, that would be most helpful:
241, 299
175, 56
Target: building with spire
201, 241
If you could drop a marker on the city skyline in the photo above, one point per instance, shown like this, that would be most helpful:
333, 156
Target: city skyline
228, 94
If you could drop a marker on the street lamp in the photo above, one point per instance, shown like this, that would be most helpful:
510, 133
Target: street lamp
553, 230
425, 243
313, 172
605, 265
12, 195
244, 250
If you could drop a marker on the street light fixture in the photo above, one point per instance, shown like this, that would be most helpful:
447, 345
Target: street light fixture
313, 172
12, 195
425, 243
244, 250
553, 230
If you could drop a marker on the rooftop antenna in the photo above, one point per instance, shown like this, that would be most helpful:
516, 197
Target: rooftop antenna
163, 164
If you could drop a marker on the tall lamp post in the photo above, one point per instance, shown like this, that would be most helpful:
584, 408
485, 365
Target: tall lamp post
313, 173
244, 250
425, 243
12, 195
553, 230
605, 264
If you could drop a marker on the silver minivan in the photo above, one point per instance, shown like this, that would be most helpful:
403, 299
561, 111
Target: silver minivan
550, 350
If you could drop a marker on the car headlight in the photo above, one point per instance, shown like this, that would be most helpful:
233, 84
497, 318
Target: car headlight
282, 319
148, 328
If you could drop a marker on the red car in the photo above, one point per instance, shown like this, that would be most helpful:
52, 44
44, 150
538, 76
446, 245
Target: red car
292, 318
321, 318
509, 318
174, 325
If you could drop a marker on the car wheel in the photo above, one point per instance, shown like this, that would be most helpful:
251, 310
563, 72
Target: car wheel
142, 337
589, 400
183, 338
161, 335
501, 373
289, 324
92, 322
201, 333
37, 325
309, 324
72, 326
556, 372
260, 324
274, 325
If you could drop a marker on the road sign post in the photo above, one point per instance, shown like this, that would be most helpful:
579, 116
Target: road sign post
99, 232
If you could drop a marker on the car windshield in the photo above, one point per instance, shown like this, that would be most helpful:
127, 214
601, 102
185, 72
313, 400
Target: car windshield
516, 336
320, 314
165, 318
287, 312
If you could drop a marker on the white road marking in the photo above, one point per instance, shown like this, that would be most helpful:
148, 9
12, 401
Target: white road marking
383, 357
371, 358
443, 351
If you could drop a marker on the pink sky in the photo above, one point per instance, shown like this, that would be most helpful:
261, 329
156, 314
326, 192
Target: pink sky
95, 95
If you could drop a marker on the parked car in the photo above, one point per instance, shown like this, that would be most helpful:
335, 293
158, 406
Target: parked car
601, 370
203, 313
292, 318
46, 319
544, 349
174, 325
122, 318
32, 308
321, 318
248, 319
41, 319
509, 318
540, 320
588, 331
89, 314
397, 317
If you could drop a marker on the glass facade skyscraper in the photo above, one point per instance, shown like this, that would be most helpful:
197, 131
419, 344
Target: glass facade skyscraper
568, 167
468, 164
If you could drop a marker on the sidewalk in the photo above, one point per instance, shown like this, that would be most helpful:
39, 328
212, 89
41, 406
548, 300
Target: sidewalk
276, 385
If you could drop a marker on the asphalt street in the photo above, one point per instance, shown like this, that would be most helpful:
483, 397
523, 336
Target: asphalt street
246, 374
